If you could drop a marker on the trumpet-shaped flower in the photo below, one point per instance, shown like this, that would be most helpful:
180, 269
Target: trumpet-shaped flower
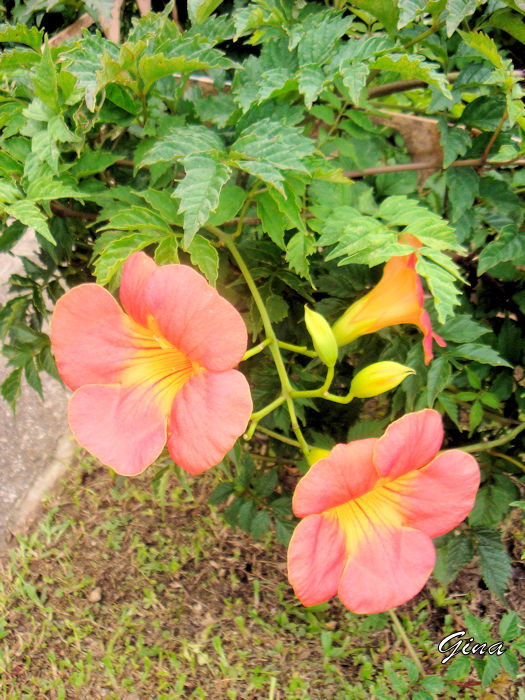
370, 510
397, 298
161, 371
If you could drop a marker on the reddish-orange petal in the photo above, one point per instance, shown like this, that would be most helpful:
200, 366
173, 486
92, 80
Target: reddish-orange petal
136, 272
389, 567
316, 558
409, 443
347, 472
89, 336
123, 428
438, 497
195, 318
208, 414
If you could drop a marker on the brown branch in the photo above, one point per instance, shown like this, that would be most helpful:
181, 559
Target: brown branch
74, 29
401, 167
494, 136
61, 210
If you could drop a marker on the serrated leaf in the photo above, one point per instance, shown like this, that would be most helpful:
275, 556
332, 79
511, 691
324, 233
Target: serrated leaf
157, 66
509, 245
199, 10
408, 11
454, 141
92, 162
485, 46
29, 214
298, 249
484, 113
456, 12
22, 34
136, 218
272, 220
412, 66
117, 250
205, 257
10, 388
491, 670
459, 668
354, 76
310, 80
450, 407
284, 531
463, 188
509, 627
246, 517
441, 283
462, 329
220, 493
230, 201
510, 22
386, 12
33, 378
494, 561
199, 191
45, 80
261, 524
481, 353
265, 484
181, 142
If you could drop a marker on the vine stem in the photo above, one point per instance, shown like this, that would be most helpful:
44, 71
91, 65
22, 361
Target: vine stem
312, 393
401, 632
276, 436
502, 455
484, 446
273, 345
301, 349
420, 37
255, 350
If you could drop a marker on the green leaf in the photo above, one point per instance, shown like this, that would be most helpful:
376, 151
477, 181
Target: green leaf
92, 162
509, 245
261, 524
284, 531
485, 46
46, 188
198, 10
22, 34
115, 249
475, 416
386, 12
136, 218
454, 141
494, 561
166, 252
441, 283
510, 22
457, 553
10, 388
434, 684
509, 627
230, 201
408, 11
484, 113
481, 353
272, 220
247, 513
354, 77
205, 257
266, 484
298, 249
181, 142
33, 378
450, 407
491, 670
152, 68
456, 12
310, 80
199, 191
462, 329
220, 493
458, 668
29, 214
463, 188
438, 378
45, 80
412, 66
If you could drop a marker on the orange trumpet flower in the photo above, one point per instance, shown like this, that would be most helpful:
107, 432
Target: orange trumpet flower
370, 509
161, 372
397, 298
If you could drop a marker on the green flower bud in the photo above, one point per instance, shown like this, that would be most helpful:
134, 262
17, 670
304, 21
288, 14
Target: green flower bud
315, 454
322, 335
378, 378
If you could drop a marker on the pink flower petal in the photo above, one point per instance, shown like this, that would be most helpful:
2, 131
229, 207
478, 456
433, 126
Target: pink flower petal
195, 318
316, 558
409, 443
90, 337
438, 497
347, 472
208, 414
136, 272
389, 567
123, 428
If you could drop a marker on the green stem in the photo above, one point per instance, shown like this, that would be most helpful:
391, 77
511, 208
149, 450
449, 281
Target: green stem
256, 417
301, 349
484, 446
244, 210
338, 399
401, 632
255, 350
276, 436
311, 393
420, 37
502, 455
268, 328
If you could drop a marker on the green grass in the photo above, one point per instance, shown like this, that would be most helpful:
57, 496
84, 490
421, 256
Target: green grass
114, 596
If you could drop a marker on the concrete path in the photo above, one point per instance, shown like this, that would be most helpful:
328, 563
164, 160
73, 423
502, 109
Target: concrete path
29, 441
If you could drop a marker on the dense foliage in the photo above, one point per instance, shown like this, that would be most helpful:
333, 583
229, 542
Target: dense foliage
340, 131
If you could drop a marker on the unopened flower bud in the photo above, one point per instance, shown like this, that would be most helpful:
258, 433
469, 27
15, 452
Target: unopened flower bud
378, 378
322, 335
315, 454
